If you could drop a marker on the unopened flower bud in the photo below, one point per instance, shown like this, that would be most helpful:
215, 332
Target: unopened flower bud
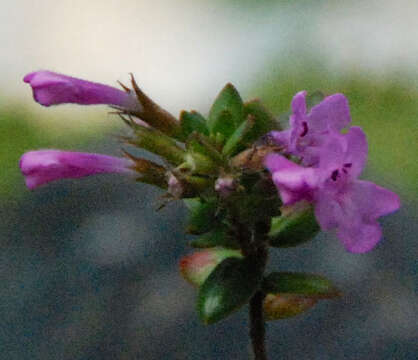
43, 166
50, 88
282, 306
225, 185
175, 187
196, 267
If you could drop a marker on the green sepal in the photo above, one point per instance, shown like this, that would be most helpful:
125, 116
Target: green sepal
227, 112
216, 237
228, 287
202, 215
158, 143
197, 142
258, 123
309, 285
293, 229
192, 122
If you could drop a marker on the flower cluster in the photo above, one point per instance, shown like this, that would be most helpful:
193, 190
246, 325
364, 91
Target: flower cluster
331, 162
227, 170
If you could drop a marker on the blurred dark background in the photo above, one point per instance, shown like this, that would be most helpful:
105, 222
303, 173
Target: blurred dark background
89, 268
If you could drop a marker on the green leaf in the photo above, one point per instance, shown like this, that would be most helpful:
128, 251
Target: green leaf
310, 285
216, 237
227, 112
227, 288
202, 216
236, 141
283, 306
192, 122
264, 120
197, 266
258, 123
293, 229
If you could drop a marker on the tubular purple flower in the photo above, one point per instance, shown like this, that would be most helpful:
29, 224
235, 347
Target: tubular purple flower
309, 130
50, 88
43, 166
340, 200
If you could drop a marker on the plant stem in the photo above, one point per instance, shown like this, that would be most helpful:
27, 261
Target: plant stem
257, 327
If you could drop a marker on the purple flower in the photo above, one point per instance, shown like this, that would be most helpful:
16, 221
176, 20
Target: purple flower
340, 200
42, 166
50, 88
309, 130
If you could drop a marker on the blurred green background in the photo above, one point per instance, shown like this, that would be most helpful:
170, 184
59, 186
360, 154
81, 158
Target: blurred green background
89, 267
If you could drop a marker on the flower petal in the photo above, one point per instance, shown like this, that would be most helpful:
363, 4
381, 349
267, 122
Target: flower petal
372, 200
299, 103
327, 211
360, 239
293, 181
281, 137
332, 113
356, 153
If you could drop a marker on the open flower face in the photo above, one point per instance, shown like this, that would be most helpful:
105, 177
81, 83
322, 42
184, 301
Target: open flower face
340, 200
309, 130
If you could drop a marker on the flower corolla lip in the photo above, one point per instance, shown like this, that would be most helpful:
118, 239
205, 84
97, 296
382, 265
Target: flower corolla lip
43, 166
340, 200
309, 129
50, 88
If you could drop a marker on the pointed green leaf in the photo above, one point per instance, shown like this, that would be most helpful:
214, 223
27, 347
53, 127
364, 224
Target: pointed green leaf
192, 121
227, 288
224, 125
293, 229
299, 284
258, 123
227, 112
236, 142
216, 237
264, 120
202, 216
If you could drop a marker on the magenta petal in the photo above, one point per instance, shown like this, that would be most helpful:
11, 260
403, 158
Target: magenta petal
357, 149
332, 153
327, 211
42, 166
372, 200
281, 138
50, 88
360, 239
332, 113
294, 182
299, 104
